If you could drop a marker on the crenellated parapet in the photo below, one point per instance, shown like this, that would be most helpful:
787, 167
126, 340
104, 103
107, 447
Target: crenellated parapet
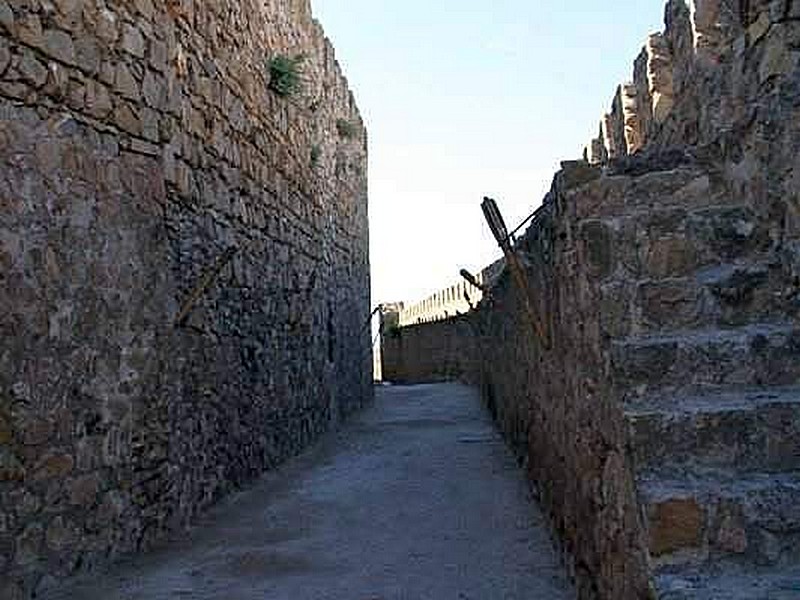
638, 106
612, 127
631, 120
706, 27
659, 77
692, 80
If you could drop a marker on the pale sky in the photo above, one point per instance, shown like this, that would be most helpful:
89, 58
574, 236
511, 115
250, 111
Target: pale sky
465, 99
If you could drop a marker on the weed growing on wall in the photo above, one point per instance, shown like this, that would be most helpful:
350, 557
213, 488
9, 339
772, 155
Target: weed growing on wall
346, 129
285, 74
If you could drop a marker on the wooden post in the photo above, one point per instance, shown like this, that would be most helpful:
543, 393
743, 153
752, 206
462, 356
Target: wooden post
500, 233
470, 278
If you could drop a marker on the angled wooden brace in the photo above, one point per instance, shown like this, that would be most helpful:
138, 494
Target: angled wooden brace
500, 233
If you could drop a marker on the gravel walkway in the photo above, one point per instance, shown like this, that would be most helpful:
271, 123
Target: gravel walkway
414, 499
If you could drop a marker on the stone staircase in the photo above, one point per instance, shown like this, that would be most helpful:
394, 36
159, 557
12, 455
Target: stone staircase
706, 357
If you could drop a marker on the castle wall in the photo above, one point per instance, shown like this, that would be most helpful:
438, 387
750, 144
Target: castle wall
441, 350
141, 151
451, 301
553, 396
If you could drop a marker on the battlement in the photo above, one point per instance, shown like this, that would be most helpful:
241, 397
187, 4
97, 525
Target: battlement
457, 299
451, 301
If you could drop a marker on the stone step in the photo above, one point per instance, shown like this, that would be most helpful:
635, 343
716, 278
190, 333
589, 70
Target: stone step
612, 196
672, 242
741, 430
727, 295
731, 583
754, 355
706, 516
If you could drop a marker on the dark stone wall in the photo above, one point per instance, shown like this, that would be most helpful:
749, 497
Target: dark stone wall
138, 144
439, 351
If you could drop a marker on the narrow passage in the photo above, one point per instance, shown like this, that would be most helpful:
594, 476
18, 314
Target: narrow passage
415, 499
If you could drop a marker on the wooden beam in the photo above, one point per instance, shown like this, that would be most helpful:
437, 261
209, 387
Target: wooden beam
500, 233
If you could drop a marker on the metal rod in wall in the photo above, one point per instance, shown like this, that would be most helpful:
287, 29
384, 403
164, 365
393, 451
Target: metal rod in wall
204, 284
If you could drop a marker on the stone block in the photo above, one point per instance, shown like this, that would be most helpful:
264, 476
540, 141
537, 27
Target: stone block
125, 83
59, 46
676, 524
98, 100
6, 17
127, 119
758, 28
731, 535
598, 243
154, 90
57, 81
35, 431
133, 41
577, 173
32, 70
89, 54
112, 507
674, 256
6, 431
10, 590
158, 55
24, 502
150, 121
641, 362
615, 309
777, 59
769, 548
61, 534
76, 96
69, 13
53, 466
11, 468
89, 453
142, 147
29, 545
671, 303
5, 57
6, 525
107, 26
29, 31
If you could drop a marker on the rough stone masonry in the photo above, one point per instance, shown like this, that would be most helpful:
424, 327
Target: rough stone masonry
140, 146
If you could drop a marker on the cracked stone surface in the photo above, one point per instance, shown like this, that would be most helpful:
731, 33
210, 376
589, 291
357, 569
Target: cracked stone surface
417, 497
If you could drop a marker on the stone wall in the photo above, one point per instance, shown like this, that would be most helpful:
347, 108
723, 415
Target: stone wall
553, 397
721, 73
438, 351
659, 416
448, 302
141, 150
453, 300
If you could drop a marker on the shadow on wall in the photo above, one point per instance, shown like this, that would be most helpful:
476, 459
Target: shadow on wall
429, 352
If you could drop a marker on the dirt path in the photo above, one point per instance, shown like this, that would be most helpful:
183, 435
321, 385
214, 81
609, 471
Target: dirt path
415, 499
